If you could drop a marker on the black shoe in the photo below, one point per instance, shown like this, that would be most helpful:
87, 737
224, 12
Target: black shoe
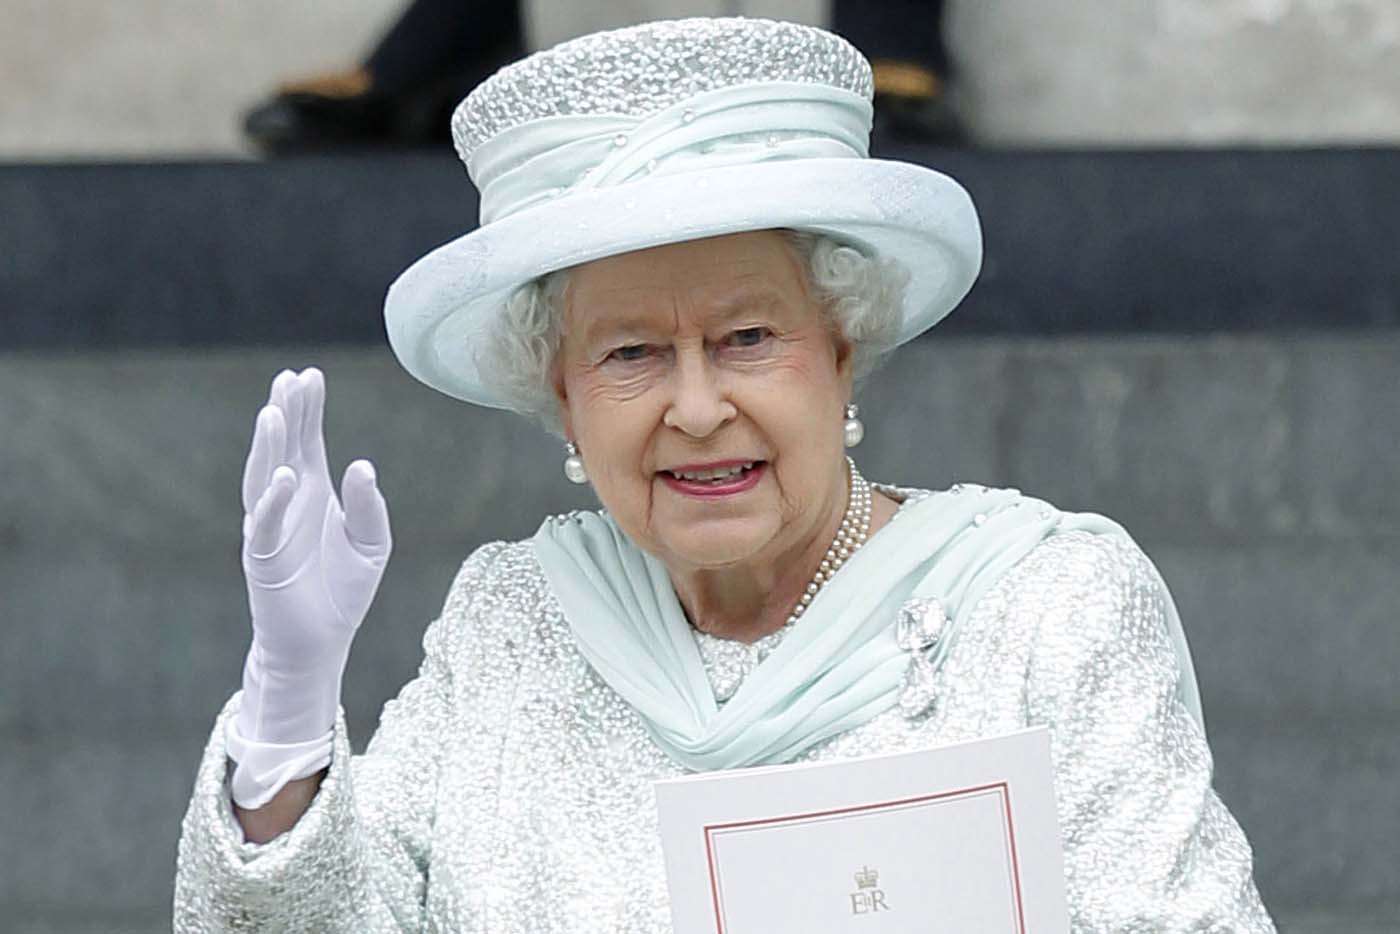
323, 112
912, 106
345, 109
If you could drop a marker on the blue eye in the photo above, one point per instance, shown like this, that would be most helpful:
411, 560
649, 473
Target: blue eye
630, 353
749, 337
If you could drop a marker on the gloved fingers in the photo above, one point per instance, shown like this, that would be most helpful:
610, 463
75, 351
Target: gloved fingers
265, 534
266, 452
313, 443
286, 395
366, 512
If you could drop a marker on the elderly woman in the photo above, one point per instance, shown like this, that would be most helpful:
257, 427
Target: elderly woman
685, 262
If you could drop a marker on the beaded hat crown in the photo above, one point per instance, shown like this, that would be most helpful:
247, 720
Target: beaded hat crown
642, 70
662, 132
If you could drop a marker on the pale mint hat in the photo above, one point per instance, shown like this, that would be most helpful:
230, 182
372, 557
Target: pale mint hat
662, 132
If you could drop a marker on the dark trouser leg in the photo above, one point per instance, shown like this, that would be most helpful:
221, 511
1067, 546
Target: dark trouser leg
438, 38
902, 30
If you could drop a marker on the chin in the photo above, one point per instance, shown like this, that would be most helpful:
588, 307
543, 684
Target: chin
716, 543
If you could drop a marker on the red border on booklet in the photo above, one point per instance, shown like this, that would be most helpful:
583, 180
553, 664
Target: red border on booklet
1002, 787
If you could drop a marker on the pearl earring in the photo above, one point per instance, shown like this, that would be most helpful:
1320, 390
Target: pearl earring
854, 429
573, 464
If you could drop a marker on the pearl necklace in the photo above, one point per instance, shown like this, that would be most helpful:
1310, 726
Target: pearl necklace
854, 529
727, 662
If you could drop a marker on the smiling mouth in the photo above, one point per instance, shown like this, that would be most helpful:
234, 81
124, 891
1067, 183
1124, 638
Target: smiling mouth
716, 475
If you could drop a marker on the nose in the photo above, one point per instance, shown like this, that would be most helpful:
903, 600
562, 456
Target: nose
699, 405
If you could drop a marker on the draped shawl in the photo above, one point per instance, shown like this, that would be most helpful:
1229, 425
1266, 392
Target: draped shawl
842, 664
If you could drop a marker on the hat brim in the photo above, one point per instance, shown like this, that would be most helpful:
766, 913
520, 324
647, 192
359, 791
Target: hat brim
441, 308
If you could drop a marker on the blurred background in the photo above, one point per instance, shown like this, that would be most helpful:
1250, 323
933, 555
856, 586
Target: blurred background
1189, 319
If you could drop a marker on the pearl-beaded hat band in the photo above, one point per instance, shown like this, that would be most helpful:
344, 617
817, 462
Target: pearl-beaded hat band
670, 131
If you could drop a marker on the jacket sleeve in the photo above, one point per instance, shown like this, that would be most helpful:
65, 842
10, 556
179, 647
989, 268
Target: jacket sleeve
357, 859
1149, 846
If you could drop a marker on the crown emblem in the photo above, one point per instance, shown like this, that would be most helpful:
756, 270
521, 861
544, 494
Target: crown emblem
867, 878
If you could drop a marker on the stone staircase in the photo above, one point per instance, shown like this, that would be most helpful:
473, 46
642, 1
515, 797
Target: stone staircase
1201, 345
1258, 471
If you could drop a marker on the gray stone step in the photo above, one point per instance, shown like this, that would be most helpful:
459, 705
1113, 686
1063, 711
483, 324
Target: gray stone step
1316, 797
1031, 73
90, 824
279, 252
142, 641
1180, 439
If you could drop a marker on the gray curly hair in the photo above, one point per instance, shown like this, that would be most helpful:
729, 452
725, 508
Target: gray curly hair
861, 295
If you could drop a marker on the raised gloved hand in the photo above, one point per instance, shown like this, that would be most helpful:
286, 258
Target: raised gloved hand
312, 567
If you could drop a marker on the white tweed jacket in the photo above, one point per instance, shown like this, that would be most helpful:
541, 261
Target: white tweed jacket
508, 788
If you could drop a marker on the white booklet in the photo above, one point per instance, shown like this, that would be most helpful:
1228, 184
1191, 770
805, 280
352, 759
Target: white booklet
961, 839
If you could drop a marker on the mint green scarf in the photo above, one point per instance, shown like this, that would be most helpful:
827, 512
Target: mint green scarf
840, 665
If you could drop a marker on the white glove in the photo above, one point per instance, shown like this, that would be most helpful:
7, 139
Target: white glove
312, 568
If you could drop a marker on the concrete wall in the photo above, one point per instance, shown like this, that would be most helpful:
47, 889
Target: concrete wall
160, 78
1170, 71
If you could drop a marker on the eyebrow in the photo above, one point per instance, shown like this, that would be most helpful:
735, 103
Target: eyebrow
625, 322
747, 299
615, 325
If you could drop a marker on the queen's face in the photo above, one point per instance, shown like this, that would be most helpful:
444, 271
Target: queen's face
705, 390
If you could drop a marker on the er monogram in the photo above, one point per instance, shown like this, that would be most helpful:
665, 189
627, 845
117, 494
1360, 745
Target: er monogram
868, 897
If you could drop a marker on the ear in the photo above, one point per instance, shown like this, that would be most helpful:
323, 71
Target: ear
845, 352
561, 396
556, 366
